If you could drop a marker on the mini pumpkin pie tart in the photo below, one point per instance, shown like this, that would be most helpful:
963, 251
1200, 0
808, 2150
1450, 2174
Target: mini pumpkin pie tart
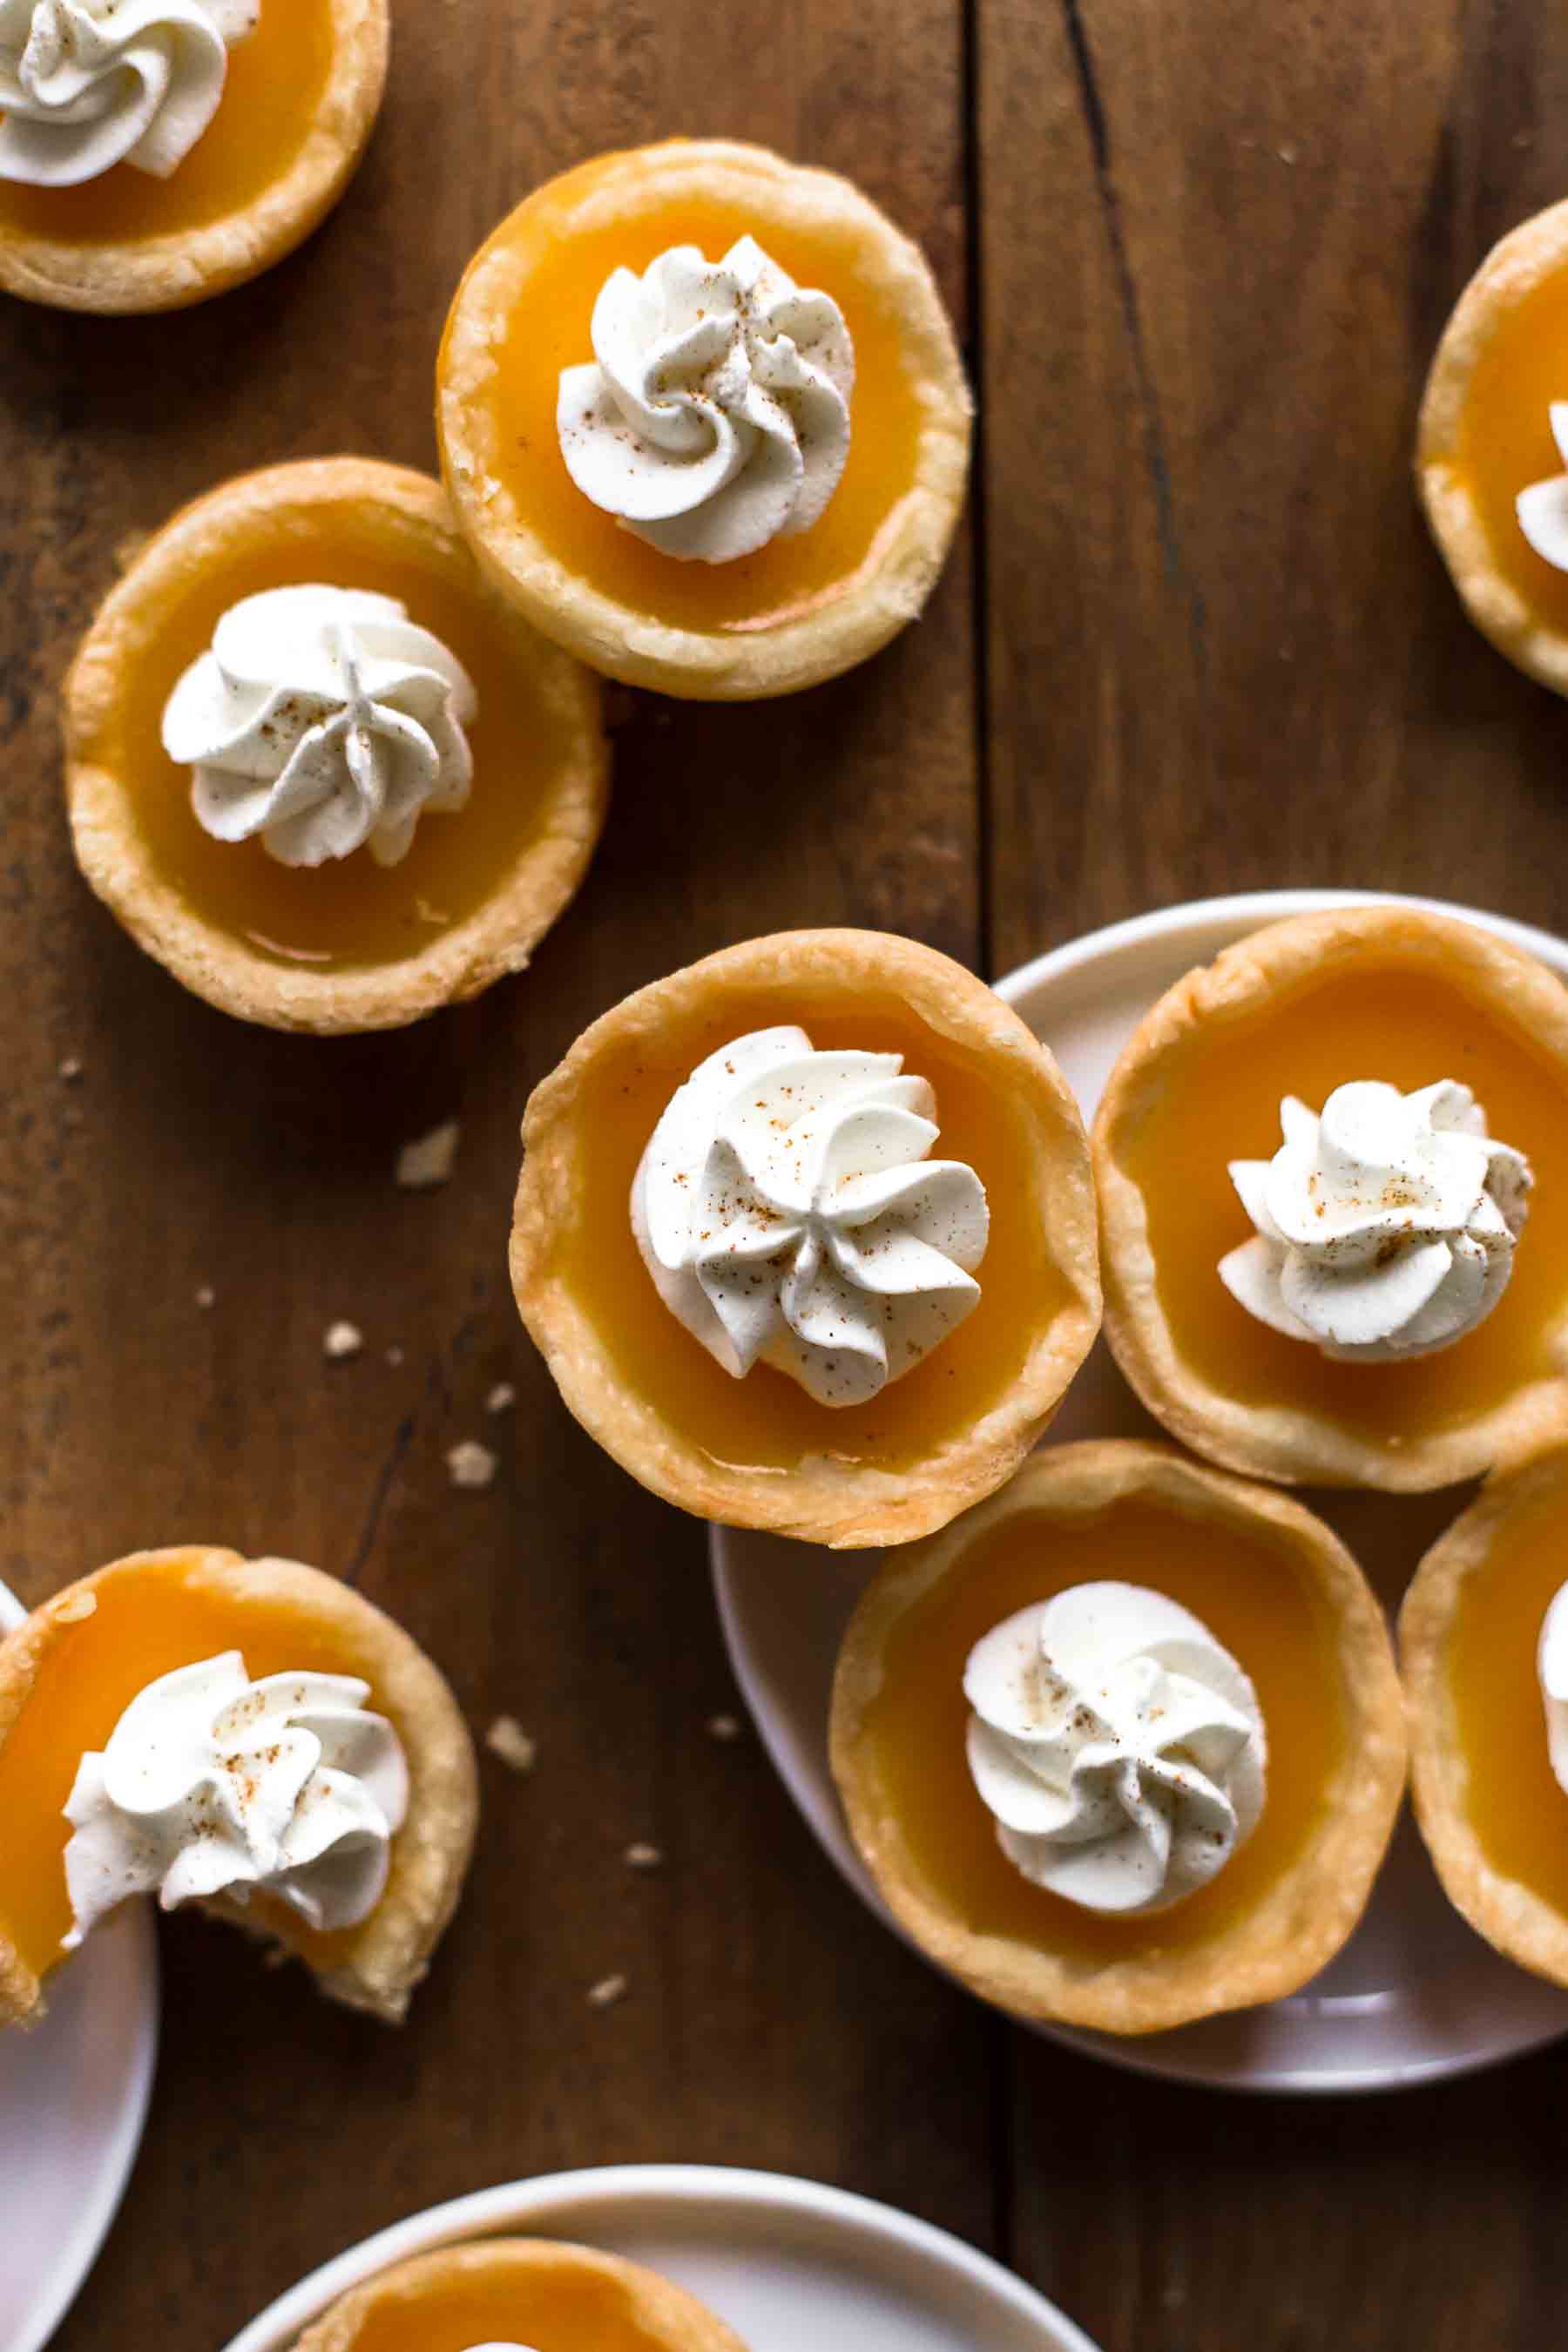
1333, 1179
519, 2295
1483, 1644
155, 151
702, 416
315, 767
1491, 455
1122, 1748
754, 1280
248, 1735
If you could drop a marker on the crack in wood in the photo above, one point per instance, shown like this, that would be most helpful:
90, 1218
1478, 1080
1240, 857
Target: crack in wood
1154, 428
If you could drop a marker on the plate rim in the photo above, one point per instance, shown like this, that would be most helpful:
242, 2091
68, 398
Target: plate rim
1252, 908
484, 2212
73, 2257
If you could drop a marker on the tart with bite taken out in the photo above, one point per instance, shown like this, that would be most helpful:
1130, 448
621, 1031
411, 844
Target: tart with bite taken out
248, 1735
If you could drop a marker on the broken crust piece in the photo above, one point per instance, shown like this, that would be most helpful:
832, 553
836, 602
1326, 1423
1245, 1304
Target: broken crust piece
68, 1674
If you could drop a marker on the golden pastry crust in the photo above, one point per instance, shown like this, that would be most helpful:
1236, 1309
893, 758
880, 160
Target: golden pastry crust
375, 1966
1536, 250
214, 963
1513, 1918
621, 640
824, 1499
171, 272
652, 2311
1284, 1442
1309, 1909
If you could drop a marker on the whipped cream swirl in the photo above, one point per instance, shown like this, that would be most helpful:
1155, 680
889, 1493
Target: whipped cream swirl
714, 415
1119, 1749
1385, 1227
1543, 509
787, 1213
87, 84
1552, 1667
213, 1784
323, 719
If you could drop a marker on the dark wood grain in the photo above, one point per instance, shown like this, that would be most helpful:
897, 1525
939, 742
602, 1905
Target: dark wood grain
1216, 247
1212, 247
767, 2021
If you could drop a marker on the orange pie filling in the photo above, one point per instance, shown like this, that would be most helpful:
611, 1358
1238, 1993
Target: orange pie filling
1247, 1590
1517, 1807
151, 1617
273, 88
1221, 1101
564, 261
766, 1420
350, 912
1504, 442
555, 2307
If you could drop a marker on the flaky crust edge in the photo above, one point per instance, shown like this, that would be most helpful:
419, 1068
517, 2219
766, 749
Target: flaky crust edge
824, 1501
667, 2312
498, 937
1514, 1920
171, 272
1308, 1912
618, 639
1535, 250
1282, 1442
390, 1953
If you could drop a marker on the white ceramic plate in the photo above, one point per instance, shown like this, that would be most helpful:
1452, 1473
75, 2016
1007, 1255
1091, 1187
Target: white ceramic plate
1415, 1995
793, 2266
73, 2100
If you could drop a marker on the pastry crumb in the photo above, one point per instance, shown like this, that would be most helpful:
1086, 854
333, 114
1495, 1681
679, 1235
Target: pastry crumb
72, 1067
643, 1857
1285, 154
469, 1463
394, 1356
207, 1297
724, 1727
507, 1738
606, 1992
501, 1397
428, 1160
341, 1340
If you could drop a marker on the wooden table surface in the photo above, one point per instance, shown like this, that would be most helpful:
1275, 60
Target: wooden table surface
1192, 640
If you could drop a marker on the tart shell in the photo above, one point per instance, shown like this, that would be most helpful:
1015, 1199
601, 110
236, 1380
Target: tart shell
1513, 1918
498, 938
669, 2319
380, 1962
1536, 250
619, 639
1311, 1908
824, 1499
171, 271
1278, 1440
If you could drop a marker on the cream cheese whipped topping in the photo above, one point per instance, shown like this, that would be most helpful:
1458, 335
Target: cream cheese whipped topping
714, 415
325, 720
1552, 1666
1385, 1227
213, 1784
787, 1213
1119, 1749
1543, 509
87, 84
